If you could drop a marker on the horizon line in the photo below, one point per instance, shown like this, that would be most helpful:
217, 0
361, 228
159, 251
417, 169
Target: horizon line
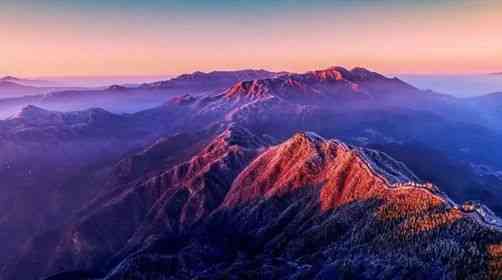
172, 75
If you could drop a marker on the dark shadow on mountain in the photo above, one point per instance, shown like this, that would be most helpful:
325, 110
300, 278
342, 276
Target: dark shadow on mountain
289, 237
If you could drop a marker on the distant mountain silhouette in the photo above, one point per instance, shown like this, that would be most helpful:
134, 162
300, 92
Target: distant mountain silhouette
216, 80
29, 82
122, 98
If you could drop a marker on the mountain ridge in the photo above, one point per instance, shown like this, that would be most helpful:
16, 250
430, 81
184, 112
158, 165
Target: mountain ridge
272, 195
211, 78
8, 84
233, 180
123, 98
354, 81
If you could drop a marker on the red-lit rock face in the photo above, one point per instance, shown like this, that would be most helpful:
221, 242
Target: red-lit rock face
309, 161
342, 176
495, 260
336, 83
251, 89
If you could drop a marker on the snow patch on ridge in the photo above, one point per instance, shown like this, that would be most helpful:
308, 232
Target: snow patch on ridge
394, 171
314, 137
398, 176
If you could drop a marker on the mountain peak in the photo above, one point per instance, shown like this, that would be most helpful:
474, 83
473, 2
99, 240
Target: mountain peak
380, 163
333, 82
12, 84
117, 88
308, 160
238, 75
241, 136
306, 198
364, 74
209, 81
33, 115
253, 88
337, 73
186, 99
310, 138
9, 78
32, 111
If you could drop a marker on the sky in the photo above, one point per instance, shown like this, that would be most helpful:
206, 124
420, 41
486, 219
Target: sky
154, 37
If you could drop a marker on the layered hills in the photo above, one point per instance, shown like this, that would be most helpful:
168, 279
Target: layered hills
120, 98
218, 179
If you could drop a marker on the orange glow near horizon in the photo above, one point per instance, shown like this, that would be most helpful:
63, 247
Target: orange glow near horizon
443, 39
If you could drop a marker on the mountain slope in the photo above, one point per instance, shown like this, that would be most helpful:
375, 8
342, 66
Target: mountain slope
488, 107
166, 202
48, 165
9, 88
12, 87
300, 100
307, 160
457, 178
124, 99
358, 106
205, 202
335, 82
212, 81
306, 208
313, 208
28, 82
290, 99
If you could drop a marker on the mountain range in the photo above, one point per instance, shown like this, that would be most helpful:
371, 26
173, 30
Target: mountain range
9, 88
27, 82
307, 207
123, 98
12, 87
328, 174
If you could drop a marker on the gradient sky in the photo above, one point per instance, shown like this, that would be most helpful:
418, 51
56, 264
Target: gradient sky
125, 37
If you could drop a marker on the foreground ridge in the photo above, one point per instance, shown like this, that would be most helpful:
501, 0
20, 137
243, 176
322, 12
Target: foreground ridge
476, 210
243, 204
